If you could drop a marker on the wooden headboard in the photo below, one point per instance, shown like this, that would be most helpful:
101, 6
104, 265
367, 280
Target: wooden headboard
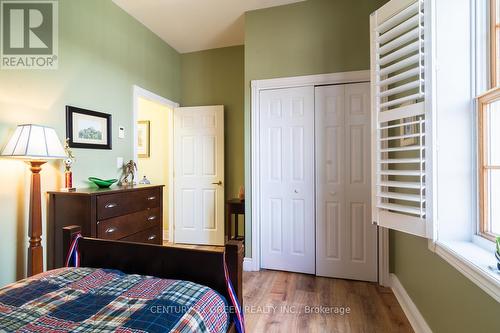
200, 266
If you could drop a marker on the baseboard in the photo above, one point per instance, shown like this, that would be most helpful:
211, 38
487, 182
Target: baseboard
411, 311
248, 265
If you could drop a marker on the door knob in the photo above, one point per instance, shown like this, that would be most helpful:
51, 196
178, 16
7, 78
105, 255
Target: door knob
218, 183
296, 191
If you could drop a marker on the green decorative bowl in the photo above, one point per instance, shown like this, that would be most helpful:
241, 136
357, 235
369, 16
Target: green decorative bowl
101, 183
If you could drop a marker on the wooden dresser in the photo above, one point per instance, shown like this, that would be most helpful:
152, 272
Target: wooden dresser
120, 213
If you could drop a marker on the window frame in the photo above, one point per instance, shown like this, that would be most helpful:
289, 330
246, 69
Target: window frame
484, 101
456, 239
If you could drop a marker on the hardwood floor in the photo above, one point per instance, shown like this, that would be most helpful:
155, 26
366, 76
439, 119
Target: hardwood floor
279, 301
282, 302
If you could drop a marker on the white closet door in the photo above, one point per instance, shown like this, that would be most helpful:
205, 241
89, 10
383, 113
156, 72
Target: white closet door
287, 179
346, 240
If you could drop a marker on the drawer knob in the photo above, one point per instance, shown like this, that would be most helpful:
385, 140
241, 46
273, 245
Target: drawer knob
110, 230
152, 218
151, 198
151, 237
111, 205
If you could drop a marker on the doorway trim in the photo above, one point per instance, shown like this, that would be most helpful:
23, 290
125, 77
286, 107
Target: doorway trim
253, 264
139, 92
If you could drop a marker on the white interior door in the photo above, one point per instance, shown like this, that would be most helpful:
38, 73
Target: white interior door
199, 175
346, 239
287, 179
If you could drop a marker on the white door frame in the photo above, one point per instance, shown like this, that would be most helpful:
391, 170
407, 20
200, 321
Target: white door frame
253, 264
139, 92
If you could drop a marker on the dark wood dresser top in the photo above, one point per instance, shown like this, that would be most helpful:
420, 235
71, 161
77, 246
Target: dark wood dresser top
99, 191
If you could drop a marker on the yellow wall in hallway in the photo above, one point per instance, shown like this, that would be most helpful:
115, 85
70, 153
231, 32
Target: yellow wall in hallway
155, 167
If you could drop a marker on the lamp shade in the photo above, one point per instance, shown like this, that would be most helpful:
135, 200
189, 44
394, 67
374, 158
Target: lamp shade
34, 142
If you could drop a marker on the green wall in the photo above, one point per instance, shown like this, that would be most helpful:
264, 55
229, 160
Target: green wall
311, 37
216, 77
103, 52
448, 300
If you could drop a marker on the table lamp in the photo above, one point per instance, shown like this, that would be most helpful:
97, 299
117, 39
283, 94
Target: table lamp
36, 145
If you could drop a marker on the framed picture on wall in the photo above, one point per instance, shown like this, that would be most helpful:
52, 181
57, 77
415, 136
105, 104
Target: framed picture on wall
88, 129
143, 139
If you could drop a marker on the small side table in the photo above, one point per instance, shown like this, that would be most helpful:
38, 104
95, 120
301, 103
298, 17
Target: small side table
235, 207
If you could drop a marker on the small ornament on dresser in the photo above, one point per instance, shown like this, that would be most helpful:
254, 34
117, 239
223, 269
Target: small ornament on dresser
68, 162
144, 181
129, 170
241, 193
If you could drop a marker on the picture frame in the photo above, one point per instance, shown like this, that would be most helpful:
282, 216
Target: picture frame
88, 129
408, 130
143, 139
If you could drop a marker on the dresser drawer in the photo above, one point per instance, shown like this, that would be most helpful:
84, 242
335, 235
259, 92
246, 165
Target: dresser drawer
150, 236
122, 226
116, 204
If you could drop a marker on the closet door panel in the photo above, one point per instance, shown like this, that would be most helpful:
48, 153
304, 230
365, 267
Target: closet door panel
287, 179
362, 234
346, 239
330, 179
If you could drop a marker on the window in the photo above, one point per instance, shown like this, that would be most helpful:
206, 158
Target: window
489, 163
469, 143
489, 137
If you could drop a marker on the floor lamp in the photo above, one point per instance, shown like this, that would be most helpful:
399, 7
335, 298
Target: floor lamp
36, 145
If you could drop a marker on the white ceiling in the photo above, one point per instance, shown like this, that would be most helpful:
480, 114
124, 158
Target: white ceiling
194, 25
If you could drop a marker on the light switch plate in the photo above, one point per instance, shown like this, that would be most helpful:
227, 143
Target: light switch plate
119, 162
121, 132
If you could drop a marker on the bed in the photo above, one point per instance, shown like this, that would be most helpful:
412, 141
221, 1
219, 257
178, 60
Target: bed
129, 288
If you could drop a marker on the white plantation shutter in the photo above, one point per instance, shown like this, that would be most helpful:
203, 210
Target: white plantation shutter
401, 118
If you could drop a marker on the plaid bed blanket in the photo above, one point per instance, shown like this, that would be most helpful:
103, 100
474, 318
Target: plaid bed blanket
103, 300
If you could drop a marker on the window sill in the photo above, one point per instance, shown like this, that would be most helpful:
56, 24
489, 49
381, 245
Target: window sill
473, 261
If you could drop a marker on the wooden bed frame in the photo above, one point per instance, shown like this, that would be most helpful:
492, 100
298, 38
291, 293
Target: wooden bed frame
200, 266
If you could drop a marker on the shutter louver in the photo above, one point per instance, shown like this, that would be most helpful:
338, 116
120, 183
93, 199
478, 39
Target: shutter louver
399, 117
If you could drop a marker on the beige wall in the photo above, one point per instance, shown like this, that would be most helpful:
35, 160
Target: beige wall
155, 167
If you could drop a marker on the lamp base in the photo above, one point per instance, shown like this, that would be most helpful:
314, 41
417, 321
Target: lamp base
35, 250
